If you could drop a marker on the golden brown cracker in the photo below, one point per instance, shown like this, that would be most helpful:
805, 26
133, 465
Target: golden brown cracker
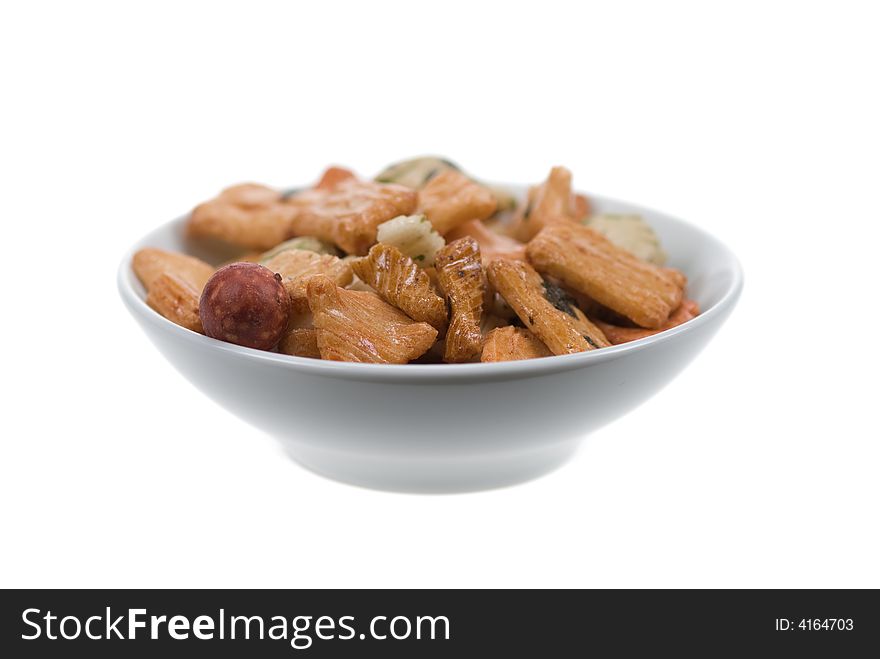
451, 198
301, 342
176, 300
357, 326
617, 335
510, 343
493, 245
250, 215
462, 280
399, 281
547, 204
349, 213
591, 264
296, 265
544, 310
149, 263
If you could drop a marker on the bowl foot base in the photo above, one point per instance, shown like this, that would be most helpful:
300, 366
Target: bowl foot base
433, 475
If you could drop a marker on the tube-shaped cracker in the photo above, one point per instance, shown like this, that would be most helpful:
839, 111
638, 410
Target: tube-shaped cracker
451, 198
177, 300
617, 335
356, 326
399, 281
509, 343
591, 264
460, 274
349, 212
296, 265
548, 203
545, 309
249, 215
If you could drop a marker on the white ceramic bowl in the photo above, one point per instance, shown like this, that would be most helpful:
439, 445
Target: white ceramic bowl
443, 428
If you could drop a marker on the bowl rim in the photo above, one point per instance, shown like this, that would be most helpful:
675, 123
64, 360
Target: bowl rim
436, 373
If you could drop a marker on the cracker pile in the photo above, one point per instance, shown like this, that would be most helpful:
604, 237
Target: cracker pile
423, 264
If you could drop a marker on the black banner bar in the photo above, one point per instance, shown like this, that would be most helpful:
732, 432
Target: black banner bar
423, 623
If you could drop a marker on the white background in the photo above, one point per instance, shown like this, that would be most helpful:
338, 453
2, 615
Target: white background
759, 121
